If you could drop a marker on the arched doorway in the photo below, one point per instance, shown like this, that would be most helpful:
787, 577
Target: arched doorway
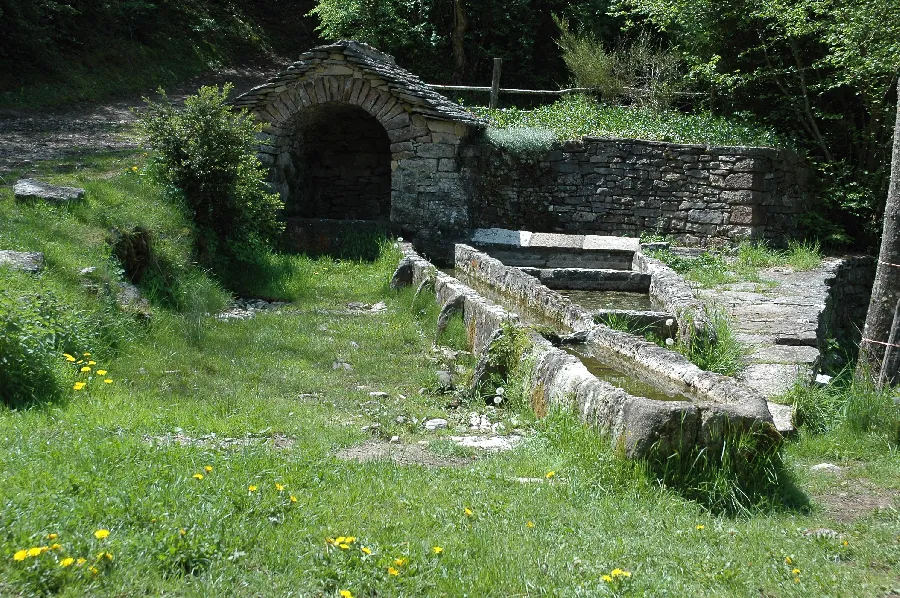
338, 166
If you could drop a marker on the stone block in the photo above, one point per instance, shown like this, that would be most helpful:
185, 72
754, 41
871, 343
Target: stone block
744, 180
753, 214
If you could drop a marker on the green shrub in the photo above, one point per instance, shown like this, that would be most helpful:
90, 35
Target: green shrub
589, 63
34, 332
522, 141
207, 153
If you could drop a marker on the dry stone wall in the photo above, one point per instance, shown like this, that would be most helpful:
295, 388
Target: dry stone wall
697, 194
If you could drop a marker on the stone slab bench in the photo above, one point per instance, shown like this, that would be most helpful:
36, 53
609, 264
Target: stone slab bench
552, 250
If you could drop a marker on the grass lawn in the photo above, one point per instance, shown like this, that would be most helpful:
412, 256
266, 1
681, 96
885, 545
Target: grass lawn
212, 457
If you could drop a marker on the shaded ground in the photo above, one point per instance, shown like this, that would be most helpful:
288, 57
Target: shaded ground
29, 137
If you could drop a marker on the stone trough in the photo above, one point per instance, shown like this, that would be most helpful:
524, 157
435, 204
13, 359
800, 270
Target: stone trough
715, 410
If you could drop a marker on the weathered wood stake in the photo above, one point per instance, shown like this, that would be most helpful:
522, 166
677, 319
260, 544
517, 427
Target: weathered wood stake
890, 367
495, 83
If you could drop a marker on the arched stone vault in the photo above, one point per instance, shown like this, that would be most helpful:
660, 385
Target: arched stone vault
323, 120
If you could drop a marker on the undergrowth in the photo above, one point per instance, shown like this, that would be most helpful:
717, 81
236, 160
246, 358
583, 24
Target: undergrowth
576, 116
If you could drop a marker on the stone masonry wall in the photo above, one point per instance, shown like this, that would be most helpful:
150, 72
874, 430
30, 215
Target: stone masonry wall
697, 194
841, 322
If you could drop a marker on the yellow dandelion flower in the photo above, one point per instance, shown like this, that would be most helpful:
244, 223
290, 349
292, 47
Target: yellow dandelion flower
251, 488
619, 573
549, 474
700, 528
607, 579
845, 543
108, 556
68, 357
67, 562
55, 546
293, 498
350, 539
345, 594
400, 561
92, 362
52, 536
101, 533
101, 372
134, 169
86, 354
788, 560
34, 551
198, 476
392, 571
85, 369
437, 550
329, 540
21, 555
81, 561
279, 487
182, 532
468, 512
343, 546
529, 524
795, 571
366, 550
94, 570
108, 381
208, 469
79, 385
340, 540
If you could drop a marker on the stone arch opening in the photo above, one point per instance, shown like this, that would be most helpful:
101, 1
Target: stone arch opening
338, 165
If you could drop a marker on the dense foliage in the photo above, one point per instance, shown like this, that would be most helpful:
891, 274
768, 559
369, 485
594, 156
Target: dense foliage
207, 153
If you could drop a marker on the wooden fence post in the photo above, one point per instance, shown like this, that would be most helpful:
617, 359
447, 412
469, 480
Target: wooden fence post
495, 83
890, 366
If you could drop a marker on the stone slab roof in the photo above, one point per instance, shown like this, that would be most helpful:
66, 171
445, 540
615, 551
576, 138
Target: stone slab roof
404, 85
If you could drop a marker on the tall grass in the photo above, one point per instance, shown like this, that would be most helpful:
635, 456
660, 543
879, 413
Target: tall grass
850, 403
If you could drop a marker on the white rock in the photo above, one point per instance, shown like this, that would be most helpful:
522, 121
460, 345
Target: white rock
379, 395
395, 439
827, 467
823, 379
435, 424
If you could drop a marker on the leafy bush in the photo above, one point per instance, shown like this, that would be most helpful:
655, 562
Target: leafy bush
206, 152
522, 141
589, 63
34, 333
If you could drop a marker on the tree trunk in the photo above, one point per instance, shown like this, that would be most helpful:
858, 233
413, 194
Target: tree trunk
458, 38
886, 290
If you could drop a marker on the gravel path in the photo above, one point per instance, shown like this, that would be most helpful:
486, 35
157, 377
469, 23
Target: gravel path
27, 137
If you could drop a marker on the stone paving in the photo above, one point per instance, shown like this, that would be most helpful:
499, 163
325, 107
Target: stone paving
777, 322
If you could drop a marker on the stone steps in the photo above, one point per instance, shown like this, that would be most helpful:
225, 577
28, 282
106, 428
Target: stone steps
591, 279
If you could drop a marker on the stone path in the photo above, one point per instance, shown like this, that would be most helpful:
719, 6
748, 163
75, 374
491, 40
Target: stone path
778, 323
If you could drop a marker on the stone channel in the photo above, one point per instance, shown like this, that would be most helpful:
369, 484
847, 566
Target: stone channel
708, 409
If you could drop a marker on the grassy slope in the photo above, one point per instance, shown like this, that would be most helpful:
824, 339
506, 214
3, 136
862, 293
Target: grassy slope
89, 462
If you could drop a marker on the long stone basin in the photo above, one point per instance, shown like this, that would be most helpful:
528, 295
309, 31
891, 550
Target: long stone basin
720, 408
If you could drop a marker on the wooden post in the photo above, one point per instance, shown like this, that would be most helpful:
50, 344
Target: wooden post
890, 367
495, 83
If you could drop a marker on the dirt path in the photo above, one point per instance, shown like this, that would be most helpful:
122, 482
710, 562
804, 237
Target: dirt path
27, 137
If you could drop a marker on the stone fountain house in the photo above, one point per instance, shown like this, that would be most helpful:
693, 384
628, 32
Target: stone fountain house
355, 142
